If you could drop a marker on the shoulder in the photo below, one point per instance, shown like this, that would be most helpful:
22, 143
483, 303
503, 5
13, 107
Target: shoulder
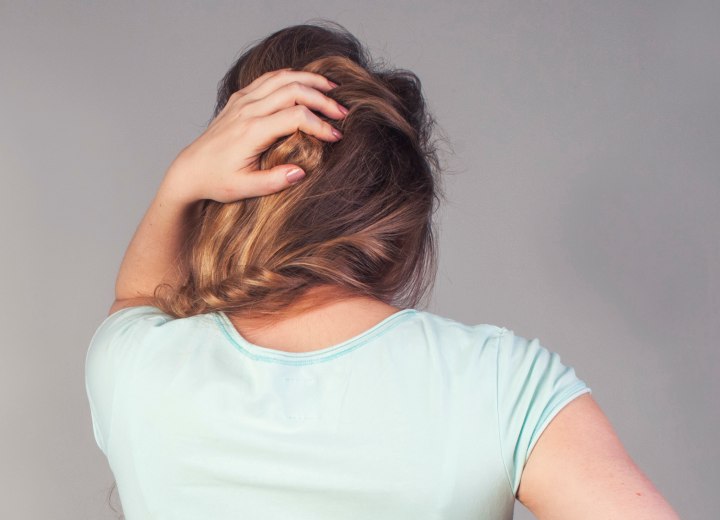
116, 336
460, 343
135, 328
128, 341
450, 326
121, 317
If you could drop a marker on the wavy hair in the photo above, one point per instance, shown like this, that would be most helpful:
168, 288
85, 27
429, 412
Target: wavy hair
362, 218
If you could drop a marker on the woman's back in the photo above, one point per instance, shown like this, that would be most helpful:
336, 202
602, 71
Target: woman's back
418, 416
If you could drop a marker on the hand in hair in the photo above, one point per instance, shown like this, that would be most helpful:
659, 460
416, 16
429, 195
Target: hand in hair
221, 164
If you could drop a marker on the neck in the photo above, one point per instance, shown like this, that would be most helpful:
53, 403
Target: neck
335, 317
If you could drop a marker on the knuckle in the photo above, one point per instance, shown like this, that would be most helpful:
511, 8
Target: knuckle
230, 192
295, 87
268, 74
302, 113
279, 76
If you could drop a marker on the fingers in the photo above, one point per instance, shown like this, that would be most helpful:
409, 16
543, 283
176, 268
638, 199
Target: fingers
287, 121
271, 81
283, 89
249, 92
294, 93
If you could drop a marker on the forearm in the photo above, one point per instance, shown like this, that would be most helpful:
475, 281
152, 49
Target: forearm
152, 257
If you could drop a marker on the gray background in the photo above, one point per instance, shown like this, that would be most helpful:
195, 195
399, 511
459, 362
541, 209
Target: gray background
583, 208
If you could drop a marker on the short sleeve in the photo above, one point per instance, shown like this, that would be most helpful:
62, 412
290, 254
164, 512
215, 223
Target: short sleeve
113, 348
533, 385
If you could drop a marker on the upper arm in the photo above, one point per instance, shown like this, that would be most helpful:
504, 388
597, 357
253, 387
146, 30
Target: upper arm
579, 469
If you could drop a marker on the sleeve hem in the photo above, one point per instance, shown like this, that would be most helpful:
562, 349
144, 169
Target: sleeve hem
576, 390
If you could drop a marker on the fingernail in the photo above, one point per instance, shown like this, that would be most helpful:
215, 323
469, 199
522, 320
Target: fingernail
337, 133
343, 109
295, 175
332, 84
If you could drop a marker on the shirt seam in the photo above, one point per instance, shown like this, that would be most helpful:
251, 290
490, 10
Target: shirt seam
497, 409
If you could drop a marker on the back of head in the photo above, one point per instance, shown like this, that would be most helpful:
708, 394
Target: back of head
362, 218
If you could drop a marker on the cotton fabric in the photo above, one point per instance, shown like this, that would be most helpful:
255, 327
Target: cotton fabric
420, 417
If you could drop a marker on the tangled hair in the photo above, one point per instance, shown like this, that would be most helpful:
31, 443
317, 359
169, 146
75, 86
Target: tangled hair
362, 218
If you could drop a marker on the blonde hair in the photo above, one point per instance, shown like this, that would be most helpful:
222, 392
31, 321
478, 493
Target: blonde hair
362, 218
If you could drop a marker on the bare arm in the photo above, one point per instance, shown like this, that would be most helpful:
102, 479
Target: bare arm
151, 257
579, 469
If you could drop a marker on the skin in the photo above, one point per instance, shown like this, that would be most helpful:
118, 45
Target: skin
319, 327
578, 468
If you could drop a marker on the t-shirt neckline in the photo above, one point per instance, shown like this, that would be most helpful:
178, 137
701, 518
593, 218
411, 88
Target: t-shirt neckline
298, 358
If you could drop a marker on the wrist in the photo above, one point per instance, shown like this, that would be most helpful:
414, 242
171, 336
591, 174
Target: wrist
176, 185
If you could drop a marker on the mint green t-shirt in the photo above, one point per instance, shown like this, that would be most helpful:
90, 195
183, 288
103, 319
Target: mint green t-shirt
420, 417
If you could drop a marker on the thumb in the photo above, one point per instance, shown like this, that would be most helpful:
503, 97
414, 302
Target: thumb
292, 173
265, 182
277, 178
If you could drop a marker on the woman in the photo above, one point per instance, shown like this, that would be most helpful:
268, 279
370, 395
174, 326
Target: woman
265, 357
